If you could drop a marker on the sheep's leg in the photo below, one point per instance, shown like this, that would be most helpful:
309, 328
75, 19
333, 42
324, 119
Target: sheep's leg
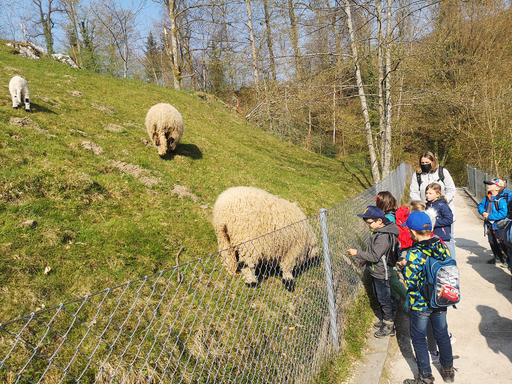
247, 262
288, 282
162, 147
229, 253
287, 264
249, 272
15, 103
27, 104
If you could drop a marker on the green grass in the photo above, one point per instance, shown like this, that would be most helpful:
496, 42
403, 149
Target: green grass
98, 227
359, 317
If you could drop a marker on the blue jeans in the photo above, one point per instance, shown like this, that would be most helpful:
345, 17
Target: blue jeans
382, 292
419, 321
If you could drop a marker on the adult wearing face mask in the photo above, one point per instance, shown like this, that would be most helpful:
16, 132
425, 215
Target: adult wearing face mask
431, 172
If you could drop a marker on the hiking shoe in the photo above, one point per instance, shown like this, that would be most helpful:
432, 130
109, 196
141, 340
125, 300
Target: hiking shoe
448, 374
434, 356
492, 261
420, 380
504, 265
387, 329
378, 325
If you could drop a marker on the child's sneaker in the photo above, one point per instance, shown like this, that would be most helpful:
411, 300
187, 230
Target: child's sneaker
434, 357
448, 374
387, 329
420, 380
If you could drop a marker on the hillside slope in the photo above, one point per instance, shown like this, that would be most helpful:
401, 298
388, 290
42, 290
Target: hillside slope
82, 192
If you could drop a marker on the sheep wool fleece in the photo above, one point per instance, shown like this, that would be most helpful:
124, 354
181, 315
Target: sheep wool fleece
165, 127
241, 214
19, 92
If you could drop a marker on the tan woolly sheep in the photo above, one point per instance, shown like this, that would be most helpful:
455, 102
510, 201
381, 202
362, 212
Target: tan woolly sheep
241, 214
165, 127
19, 92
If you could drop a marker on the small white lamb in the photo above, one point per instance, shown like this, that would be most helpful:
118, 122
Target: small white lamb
19, 92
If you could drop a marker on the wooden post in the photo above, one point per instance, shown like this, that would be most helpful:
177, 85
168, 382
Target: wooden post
334, 115
309, 129
76, 60
167, 80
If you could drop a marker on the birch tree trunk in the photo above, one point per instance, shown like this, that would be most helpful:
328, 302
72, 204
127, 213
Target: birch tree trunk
253, 46
175, 63
380, 70
386, 143
362, 95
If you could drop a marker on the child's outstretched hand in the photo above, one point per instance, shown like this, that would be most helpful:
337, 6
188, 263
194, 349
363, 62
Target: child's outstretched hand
352, 251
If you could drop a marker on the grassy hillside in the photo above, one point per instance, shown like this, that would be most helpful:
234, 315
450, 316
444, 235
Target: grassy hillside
83, 193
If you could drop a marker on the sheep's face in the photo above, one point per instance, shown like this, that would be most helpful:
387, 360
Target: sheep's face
162, 151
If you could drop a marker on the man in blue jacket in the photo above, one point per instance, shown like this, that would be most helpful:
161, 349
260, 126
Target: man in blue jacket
494, 208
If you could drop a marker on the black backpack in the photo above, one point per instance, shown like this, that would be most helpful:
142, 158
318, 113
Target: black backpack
440, 173
393, 252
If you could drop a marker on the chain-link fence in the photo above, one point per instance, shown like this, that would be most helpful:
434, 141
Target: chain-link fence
195, 323
476, 184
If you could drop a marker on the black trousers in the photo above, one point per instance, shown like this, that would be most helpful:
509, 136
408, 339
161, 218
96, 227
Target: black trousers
498, 248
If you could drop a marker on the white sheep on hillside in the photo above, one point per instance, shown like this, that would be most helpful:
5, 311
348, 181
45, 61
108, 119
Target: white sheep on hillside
165, 127
19, 92
241, 214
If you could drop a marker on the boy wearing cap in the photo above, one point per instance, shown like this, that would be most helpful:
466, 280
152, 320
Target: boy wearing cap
494, 208
375, 257
420, 312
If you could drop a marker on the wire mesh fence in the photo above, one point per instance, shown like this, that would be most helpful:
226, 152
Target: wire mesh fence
476, 180
196, 323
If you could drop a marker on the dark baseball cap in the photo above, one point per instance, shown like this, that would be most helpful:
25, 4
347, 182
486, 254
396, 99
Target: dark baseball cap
372, 212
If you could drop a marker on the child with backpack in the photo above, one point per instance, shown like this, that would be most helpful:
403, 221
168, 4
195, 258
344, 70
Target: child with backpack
417, 205
444, 216
379, 258
419, 304
387, 202
494, 207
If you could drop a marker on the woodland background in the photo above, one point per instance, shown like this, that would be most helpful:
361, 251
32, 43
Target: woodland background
376, 82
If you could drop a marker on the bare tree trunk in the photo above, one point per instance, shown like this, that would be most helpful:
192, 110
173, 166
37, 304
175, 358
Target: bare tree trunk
362, 95
380, 70
70, 10
334, 115
269, 42
253, 46
176, 68
46, 14
294, 35
228, 53
386, 143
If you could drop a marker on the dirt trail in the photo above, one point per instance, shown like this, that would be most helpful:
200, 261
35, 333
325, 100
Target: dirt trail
482, 324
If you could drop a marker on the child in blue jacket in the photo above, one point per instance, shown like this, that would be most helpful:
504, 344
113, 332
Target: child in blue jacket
494, 208
444, 216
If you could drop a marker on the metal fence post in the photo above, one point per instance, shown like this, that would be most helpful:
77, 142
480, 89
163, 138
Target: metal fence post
328, 277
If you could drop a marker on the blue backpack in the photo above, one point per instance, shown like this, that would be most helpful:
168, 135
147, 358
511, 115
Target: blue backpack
441, 288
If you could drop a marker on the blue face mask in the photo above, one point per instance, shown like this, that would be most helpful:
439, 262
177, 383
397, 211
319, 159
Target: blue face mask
425, 168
